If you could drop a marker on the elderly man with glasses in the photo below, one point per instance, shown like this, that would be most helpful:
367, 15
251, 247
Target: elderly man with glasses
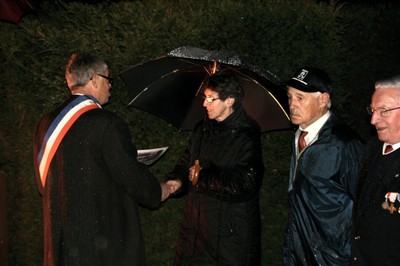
377, 209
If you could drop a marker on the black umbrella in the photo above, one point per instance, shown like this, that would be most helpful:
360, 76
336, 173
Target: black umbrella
170, 87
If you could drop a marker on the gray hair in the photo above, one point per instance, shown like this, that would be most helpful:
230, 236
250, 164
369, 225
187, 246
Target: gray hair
389, 83
329, 105
392, 82
81, 68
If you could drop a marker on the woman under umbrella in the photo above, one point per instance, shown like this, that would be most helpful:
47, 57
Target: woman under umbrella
221, 221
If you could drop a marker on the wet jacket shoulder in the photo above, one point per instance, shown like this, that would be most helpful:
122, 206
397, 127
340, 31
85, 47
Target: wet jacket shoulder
337, 144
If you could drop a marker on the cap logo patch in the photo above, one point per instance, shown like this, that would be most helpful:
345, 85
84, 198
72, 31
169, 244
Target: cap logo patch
301, 76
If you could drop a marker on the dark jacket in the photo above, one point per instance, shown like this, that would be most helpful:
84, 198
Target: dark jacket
376, 230
321, 192
221, 222
92, 192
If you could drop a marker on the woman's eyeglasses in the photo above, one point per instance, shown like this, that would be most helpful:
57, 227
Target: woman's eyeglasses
209, 99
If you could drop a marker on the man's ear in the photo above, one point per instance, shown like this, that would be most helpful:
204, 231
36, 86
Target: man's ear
324, 99
95, 81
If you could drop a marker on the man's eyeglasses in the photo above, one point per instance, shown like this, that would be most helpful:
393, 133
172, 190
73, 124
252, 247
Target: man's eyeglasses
381, 111
209, 99
110, 80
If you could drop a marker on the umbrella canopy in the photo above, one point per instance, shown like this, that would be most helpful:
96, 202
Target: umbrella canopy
171, 87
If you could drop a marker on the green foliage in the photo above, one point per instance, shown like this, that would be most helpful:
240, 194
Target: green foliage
278, 36
374, 50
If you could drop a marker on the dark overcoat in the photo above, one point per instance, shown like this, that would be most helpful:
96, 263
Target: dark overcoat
377, 230
322, 185
92, 192
221, 220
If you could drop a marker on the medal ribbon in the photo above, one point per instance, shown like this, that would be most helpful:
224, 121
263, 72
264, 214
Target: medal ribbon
59, 127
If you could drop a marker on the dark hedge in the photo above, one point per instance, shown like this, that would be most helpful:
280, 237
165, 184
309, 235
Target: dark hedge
355, 45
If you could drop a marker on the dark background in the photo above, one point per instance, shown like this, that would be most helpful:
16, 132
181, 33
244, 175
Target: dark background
356, 42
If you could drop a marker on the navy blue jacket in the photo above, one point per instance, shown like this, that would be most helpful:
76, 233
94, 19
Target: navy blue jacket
322, 187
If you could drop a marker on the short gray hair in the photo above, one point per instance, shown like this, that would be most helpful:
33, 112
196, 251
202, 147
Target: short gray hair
389, 83
392, 82
329, 104
81, 68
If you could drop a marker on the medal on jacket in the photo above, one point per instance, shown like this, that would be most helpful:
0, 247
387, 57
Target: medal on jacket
390, 196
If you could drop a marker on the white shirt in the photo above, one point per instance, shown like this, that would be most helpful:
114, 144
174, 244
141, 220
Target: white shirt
313, 130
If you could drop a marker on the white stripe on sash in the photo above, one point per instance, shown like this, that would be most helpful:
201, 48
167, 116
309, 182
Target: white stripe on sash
58, 128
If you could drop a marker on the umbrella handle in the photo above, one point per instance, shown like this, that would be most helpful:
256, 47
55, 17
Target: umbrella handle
196, 172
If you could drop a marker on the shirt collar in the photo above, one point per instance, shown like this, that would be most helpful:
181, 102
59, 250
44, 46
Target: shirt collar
394, 146
314, 128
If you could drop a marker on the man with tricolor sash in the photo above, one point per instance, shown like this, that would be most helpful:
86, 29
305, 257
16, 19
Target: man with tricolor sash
89, 178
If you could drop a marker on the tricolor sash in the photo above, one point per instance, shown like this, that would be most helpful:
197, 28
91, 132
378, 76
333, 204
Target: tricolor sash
59, 127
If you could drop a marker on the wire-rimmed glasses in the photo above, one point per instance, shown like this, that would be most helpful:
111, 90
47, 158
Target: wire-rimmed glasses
381, 111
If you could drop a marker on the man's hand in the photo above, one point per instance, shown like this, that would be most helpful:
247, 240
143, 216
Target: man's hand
169, 187
174, 185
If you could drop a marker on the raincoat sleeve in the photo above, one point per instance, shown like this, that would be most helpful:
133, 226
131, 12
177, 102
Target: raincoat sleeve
351, 161
120, 157
240, 175
350, 158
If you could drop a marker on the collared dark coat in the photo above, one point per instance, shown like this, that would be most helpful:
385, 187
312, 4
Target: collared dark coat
92, 192
377, 231
322, 187
221, 220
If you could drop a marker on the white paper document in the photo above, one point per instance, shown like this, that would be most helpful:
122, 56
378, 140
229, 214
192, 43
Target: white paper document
149, 156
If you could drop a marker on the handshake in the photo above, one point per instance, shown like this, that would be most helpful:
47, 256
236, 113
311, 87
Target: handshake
169, 187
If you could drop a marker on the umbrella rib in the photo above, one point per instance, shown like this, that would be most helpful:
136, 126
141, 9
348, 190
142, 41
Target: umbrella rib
279, 104
145, 89
169, 73
275, 99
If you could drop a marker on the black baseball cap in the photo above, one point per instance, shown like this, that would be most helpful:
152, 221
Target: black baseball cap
309, 79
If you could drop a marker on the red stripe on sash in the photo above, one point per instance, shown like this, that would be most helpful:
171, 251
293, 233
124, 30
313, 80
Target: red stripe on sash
60, 136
